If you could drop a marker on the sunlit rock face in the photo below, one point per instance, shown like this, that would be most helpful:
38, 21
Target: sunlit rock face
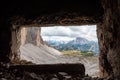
33, 48
31, 35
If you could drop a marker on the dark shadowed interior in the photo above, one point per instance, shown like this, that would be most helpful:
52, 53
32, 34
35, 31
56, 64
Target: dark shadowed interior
105, 13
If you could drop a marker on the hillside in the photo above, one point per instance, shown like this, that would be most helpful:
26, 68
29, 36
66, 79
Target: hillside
39, 55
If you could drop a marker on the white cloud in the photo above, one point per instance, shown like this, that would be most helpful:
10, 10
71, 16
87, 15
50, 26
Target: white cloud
57, 38
56, 31
69, 32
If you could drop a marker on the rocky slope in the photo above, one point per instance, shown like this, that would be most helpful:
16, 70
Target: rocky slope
34, 49
39, 55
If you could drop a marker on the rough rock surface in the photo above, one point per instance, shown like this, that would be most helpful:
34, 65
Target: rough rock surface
109, 41
16, 74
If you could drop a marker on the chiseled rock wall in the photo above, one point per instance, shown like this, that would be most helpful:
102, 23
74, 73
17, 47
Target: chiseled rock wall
109, 40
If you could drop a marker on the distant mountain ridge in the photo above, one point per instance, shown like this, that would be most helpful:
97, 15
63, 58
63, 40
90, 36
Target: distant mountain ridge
79, 43
79, 40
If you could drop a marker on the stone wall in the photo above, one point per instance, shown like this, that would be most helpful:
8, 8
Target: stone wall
109, 40
16, 42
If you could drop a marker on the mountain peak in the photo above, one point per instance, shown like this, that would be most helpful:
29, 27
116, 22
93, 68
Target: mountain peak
80, 40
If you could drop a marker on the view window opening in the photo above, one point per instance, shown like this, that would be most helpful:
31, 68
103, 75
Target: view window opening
60, 44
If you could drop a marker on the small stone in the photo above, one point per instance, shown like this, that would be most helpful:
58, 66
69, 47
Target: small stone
1, 73
67, 77
7, 65
54, 79
18, 78
3, 79
63, 73
87, 78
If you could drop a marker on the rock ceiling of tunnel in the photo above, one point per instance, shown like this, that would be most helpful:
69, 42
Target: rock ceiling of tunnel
33, 10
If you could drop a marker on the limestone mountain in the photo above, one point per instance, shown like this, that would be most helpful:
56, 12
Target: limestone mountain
34, 49
79, 43
79, 40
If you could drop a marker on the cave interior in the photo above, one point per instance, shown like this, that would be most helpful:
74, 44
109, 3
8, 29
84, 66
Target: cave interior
104, 13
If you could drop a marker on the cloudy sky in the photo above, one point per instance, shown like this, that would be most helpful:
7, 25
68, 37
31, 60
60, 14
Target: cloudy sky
66, 33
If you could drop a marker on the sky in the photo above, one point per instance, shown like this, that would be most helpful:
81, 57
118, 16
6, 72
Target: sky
67, 33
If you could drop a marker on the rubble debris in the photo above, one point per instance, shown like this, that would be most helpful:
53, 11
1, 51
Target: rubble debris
23, 74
